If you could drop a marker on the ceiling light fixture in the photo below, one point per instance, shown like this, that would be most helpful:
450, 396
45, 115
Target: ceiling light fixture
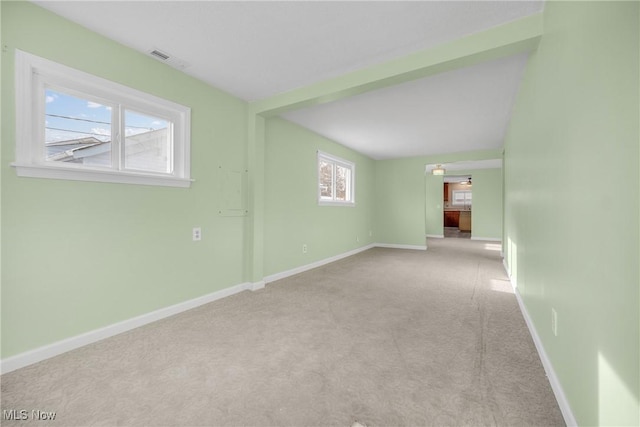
438, 170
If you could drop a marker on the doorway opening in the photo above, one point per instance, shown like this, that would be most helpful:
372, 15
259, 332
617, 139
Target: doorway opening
457, 206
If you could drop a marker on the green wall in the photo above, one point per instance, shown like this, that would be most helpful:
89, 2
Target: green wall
77, 256
292, 214
434, 205
486, 214
409, 202
572, 222
400, 202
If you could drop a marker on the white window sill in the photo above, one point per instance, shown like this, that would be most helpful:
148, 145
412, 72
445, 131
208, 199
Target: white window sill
332, 203
94, 175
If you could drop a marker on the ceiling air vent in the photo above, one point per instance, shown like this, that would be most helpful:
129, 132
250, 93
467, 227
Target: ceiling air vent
168, 59
159, 55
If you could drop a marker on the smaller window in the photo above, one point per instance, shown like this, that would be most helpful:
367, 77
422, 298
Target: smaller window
336, 178
461, 197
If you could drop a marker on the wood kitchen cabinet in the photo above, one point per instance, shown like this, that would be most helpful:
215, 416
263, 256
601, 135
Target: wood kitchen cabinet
451, 218
446, 191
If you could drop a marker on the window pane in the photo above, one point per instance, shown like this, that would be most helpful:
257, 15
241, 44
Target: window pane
462, 197
335, 180
148, 143
76, 130
343, 181
326, 177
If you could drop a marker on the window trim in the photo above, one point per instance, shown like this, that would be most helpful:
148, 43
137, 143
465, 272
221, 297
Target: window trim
33, 74
321, 155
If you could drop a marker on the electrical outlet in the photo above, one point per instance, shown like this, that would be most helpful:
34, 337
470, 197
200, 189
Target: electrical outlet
196, 234
357, 238
304, 248
554, 321
370, 233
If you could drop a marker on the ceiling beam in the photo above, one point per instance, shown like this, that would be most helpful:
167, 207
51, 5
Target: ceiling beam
515, 37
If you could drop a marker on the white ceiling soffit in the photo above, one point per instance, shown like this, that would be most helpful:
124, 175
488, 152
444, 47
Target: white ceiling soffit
466, 165
456, 178
461, 110
255, 50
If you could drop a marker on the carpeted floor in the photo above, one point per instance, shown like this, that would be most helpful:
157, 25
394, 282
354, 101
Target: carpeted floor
387, 337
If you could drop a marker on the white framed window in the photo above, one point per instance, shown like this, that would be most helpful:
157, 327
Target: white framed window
336, 180
461, 197
73, 125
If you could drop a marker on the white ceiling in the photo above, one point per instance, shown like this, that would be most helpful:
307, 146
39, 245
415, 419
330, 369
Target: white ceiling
255, 50
453, 167
456, 178
462, 110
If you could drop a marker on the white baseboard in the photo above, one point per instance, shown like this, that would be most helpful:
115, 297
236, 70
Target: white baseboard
50, 350
435, 236
393, 246
45, 352
488, 239
303, 268
256, 286
558, 391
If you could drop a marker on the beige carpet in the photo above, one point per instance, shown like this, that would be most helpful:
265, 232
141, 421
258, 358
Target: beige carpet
387, 337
